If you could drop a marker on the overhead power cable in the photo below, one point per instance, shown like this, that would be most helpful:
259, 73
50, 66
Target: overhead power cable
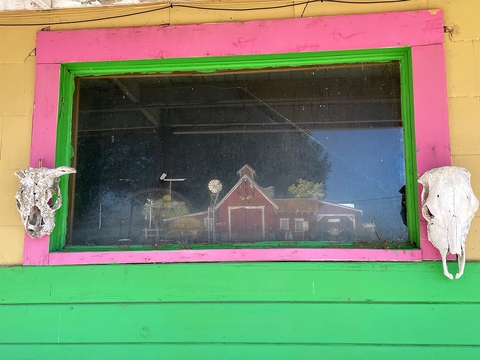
205, 8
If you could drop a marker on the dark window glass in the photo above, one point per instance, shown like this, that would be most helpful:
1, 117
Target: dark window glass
229, 157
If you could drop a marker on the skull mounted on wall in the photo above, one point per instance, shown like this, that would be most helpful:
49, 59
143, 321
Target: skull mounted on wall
35, 198
448, 205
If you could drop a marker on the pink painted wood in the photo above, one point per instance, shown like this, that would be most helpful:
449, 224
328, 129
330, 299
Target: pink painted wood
44, 135
127, 257
431, 123
421, 30
416, 28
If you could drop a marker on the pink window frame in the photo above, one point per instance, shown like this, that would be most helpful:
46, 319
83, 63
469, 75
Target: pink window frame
422, 31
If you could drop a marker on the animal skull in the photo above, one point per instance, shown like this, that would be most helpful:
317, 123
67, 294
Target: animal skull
34, 198
448, 209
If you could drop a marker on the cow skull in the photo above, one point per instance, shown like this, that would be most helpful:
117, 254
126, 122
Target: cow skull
448, 209
34, 198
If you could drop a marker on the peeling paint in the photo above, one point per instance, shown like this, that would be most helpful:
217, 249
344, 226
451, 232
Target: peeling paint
14, 5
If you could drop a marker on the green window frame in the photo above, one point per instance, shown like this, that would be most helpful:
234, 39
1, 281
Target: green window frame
70, 71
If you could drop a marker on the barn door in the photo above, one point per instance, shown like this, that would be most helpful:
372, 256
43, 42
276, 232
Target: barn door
246, 224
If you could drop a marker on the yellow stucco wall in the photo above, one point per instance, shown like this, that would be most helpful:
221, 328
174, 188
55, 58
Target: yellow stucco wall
17, 80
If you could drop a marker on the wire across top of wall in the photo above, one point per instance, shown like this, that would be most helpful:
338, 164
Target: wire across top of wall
206, 8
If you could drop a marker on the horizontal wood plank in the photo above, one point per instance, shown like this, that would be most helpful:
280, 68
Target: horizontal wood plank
295, 323
234, 282
234, 351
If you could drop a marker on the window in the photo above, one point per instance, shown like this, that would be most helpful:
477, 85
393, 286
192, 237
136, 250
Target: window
284, 224
191, 147
301, 225
274, 140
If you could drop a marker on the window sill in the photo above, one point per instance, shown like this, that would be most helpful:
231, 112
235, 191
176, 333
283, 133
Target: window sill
365, 245
229, 255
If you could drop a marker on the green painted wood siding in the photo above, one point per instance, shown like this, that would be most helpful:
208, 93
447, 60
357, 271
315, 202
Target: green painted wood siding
239, 311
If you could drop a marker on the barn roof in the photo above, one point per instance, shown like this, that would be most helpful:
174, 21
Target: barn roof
254, 184
295, 205
308, 205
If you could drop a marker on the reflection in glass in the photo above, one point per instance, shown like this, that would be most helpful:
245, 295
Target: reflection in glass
284, 155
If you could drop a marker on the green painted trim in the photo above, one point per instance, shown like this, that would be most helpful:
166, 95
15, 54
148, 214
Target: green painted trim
216, 63
64, 153
263, 245
184, 351
406, 86
244, 323
239, 311
211, 64
260, 282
